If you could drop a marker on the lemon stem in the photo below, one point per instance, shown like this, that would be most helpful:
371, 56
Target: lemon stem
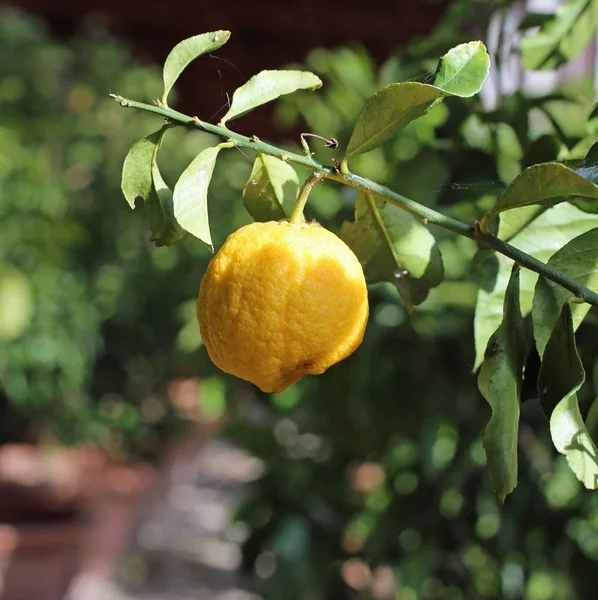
297, 214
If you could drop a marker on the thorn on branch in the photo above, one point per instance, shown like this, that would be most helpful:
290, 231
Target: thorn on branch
337, 165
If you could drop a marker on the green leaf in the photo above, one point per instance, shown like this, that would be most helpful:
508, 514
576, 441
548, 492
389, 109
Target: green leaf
186, 51
191, 195
561, 38
388, 111
165, 231
579, 260
463, 69
500, 381
461, 72
271, 190
267, 86
392, 245
561, 376
137, 169
541, 238
546, 184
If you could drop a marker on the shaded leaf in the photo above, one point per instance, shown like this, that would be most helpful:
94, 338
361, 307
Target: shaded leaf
562, 37
267, 86
392, 245
137, 169
500, 381
561, 376
546, 184
544, 235
461, 72
579, 260
165, 231
191, 195
186, 51
271, 190
463, 69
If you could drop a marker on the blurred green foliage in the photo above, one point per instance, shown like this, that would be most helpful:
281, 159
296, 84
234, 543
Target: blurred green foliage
94, 320
374, 483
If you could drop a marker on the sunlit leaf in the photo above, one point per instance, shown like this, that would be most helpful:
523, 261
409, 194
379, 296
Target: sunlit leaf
461, 72
463, 69
561, 376
544, 235
186, 51
579, 260
500, 381
267, 86
191, 195
394, 246
388, 111
271, 190
562, 37
546, 184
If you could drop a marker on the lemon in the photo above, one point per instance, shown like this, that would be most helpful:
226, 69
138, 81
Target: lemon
281, 300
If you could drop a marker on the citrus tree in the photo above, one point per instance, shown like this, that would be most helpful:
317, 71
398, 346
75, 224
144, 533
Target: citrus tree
536, 258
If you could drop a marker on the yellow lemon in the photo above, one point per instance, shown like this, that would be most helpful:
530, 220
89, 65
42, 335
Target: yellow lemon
281, 300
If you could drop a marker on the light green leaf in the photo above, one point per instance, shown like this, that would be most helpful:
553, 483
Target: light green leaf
394, 246
271, 190
463, 69
461, 72
388, 111
186, 51
137, 169
546, 184
541, 238
561, 376
579, 260
500, 381
561, 38
267, 86
191, 195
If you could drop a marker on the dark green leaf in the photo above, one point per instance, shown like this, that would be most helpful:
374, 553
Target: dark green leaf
561, 376
500, 381
562, 37
463, 69
578, 260
394, 246
271, 190
186, 51
137, 169
267, 86
546, 184
541, 238
191, 195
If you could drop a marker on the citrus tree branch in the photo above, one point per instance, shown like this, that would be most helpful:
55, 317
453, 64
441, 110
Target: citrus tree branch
427, 215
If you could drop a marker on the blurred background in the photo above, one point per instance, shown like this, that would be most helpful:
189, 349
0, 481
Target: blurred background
130, 467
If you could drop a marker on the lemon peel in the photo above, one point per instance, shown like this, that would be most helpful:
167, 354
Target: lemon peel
281, 300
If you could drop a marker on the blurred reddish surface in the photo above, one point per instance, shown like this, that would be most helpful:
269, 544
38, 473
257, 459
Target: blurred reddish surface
265, 35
